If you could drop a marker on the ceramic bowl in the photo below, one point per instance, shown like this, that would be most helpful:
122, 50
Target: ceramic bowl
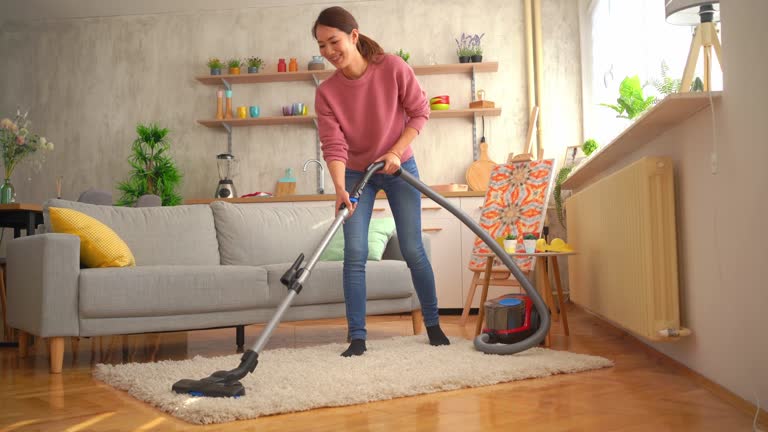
440, 107
440, 100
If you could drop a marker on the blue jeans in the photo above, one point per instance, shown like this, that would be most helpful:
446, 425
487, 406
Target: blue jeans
405, 202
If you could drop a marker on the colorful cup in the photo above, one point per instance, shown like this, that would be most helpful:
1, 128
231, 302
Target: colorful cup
254, 111
242, 112
286, 110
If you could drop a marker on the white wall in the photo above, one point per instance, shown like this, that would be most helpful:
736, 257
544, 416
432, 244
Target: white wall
89, 81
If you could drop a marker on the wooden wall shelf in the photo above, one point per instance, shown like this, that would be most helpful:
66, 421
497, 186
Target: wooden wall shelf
309, 119
304, 75
667, 114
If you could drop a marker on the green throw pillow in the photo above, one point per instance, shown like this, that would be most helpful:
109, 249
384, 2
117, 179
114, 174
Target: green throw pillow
379, 232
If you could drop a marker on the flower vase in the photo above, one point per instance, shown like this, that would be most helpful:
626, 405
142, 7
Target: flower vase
7, 193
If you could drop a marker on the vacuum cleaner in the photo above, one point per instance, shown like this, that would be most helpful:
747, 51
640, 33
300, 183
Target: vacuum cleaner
227, 383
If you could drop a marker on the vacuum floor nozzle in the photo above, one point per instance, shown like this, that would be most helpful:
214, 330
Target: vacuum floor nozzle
210, 387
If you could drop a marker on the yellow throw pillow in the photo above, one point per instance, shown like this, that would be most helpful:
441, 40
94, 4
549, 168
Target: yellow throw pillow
99, 245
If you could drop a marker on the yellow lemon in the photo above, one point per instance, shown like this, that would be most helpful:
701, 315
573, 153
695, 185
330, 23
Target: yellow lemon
541, 245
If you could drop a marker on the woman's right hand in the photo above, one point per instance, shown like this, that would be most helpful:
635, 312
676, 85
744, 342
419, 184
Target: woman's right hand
342, 197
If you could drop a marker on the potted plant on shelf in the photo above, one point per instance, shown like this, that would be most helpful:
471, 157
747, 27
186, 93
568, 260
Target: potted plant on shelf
477, 50
529, 242
510, 243
631, 101
234, 66
215, 65
254, 64
463, 48
403, 55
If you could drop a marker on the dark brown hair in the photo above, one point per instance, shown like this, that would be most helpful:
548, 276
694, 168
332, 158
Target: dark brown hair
339, 18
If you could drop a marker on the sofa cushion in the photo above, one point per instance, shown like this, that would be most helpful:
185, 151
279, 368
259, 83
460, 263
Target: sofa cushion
384, 280
255, 234
172, 290
99, 245
380, 230
183, 235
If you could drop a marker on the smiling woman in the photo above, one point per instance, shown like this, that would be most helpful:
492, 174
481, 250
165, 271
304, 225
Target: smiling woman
371, 110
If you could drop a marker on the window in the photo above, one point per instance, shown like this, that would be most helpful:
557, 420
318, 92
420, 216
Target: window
627, 38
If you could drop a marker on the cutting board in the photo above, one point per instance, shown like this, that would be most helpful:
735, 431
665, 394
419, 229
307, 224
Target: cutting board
478, 174
285, 188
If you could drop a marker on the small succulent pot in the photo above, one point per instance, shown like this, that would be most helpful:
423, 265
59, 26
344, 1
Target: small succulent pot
510, 245
215, 71
477, 58
253, 69
530, 245
234, 71
464, 59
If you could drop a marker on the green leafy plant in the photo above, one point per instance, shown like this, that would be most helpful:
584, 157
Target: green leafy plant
254, 62
403, 55
666, 85
510, 236
631, 102
558, 193
697, 85
589, 146
215, 63
153, 170
234, 63
530, 236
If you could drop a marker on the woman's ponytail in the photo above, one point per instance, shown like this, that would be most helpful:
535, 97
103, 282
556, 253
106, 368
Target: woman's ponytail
369, 48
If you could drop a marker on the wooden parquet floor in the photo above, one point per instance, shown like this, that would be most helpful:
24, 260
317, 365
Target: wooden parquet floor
641, 393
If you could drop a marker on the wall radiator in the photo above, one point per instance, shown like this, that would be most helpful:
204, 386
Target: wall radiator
625, 269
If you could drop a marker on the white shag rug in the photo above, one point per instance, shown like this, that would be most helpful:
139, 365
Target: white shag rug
299, 379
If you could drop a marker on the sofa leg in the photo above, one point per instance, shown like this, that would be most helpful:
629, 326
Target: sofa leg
57, 354
23, 343
240, 337
418, 321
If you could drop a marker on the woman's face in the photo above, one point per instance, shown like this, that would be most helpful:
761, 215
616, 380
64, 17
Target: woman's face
336, 46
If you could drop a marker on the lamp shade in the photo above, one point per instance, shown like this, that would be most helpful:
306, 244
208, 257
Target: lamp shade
686, 12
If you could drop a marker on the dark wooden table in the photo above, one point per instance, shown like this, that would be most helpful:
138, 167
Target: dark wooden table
19, 216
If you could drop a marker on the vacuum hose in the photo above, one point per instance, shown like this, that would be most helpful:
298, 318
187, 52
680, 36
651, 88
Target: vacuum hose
481, 341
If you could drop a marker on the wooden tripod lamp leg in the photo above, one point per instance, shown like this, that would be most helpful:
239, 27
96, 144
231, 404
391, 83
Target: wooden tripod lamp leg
693, 58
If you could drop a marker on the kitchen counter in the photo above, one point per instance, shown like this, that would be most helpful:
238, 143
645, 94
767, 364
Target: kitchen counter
317, 197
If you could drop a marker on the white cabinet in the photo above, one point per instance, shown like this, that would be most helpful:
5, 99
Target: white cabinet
444, 233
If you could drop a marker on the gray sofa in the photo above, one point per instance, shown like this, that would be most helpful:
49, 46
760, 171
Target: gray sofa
197, 267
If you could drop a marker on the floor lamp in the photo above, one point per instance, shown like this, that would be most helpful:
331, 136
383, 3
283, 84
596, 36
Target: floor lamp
703, 14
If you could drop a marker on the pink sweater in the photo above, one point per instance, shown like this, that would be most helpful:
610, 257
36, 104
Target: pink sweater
360, 120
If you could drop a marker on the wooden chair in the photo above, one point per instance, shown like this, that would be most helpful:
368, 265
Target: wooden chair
516, 203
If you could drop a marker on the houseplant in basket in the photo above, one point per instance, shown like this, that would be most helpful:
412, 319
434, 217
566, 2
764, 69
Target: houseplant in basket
19, 143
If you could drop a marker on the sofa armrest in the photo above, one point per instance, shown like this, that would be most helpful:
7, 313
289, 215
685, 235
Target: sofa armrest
42, 282
392, 251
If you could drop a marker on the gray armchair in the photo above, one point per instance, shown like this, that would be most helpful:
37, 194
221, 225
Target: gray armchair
96, 196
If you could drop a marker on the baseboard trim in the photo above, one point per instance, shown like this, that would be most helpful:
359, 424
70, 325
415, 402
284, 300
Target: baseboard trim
716, 389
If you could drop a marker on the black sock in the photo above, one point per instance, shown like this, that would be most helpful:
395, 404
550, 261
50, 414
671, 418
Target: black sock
356, 348
436, 336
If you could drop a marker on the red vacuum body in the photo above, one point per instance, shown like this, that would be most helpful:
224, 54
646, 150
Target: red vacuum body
510, 319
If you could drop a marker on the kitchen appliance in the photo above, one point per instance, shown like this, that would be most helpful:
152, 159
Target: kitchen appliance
228, 170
